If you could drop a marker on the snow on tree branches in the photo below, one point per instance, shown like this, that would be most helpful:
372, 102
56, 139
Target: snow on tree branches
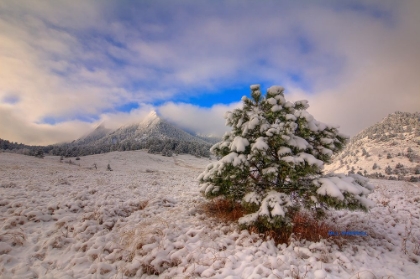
272, 161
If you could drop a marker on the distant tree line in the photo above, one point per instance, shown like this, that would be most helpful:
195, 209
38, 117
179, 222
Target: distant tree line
20, 148
166, 147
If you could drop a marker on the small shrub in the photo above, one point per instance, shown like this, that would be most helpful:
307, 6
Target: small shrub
399, 166
414, 179
39, 154
108, 167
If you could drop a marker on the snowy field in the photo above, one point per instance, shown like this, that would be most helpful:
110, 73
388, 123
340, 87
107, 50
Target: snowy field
141, 220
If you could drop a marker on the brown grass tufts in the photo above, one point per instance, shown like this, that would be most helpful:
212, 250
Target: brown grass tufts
309, 228
15, 238
143, 204
224, 210
305, 226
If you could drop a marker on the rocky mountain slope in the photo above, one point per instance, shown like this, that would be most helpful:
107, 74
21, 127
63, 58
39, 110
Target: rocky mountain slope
152, 127
97, 134
152, 133
389, 149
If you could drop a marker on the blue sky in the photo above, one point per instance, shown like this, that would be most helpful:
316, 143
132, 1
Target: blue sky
68, 66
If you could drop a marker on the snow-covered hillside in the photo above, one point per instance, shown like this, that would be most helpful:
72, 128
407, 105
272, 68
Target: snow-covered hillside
100, 132
388, 149
153, 133
151, 127
142, 220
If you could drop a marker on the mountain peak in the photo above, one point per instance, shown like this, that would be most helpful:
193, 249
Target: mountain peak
152, 117
98, 133
152, 114
100, 126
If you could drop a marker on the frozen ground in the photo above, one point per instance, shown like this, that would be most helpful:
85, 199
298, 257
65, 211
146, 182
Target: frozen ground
140, 220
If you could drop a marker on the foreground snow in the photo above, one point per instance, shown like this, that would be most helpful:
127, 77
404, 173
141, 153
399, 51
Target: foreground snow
66, 221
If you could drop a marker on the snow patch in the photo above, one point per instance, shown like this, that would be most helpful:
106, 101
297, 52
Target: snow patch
239, 144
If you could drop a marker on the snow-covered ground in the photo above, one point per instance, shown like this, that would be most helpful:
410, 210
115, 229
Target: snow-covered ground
142, 219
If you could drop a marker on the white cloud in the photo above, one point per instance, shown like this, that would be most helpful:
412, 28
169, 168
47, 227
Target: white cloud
14, 127
381, 61
205, 121
115, 120
66, 59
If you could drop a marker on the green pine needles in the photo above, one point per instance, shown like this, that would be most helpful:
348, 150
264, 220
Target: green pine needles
272, 162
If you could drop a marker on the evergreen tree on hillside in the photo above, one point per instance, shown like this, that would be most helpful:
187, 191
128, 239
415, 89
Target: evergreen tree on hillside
272, 161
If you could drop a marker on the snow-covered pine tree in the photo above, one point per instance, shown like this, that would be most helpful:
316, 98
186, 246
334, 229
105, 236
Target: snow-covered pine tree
272, 162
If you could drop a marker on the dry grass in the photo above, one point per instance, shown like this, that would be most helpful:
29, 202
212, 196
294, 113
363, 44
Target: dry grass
146, 232
224, 210
102, 181
304, 225
8, 185
142, 204
15, 238
369, 274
